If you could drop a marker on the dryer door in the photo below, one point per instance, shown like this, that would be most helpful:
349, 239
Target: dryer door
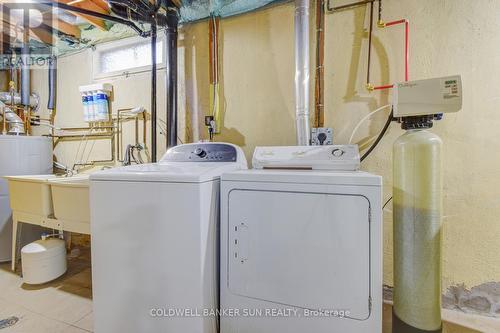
306, 250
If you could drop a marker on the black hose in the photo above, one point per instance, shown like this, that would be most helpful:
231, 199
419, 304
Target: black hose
379, 137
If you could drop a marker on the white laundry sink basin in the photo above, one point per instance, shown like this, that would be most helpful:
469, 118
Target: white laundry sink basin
31, 194
70, 197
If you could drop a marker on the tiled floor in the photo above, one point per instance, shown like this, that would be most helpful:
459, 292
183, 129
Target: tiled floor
65, 305
61, 306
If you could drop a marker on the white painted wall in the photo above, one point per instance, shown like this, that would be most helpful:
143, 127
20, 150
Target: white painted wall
447, 37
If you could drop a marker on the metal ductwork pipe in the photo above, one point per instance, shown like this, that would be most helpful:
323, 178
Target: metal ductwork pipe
302, 79
171, 76
6, 97
16, 124
51, 103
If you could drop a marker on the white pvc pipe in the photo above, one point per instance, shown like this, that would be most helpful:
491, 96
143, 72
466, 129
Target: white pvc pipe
302, 79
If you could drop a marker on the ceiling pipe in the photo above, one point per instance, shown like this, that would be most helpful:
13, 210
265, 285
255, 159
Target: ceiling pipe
153, 94
84, 11
129, 11
171, 74
302, 78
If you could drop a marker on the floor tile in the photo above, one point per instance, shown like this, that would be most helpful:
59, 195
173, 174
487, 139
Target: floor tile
87, 322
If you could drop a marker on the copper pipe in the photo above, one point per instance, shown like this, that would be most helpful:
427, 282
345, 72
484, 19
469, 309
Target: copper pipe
369, 86
350, 5
4, 119
320, 71
370, 33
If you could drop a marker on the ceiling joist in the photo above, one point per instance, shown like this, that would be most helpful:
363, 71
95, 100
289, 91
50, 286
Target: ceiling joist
92, 6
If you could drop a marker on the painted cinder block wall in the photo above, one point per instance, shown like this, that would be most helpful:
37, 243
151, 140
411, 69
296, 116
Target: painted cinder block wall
257, 54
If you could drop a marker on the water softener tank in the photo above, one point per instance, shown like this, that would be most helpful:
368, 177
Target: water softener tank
417, 232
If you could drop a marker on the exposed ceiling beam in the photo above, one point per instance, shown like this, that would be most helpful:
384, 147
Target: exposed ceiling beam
101, 3
42, 35
89, 5
44, 32
67, 28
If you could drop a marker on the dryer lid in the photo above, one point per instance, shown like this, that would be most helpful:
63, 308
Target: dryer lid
336, 157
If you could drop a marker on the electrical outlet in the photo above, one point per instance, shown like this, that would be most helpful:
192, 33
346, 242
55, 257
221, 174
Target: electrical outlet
321, 136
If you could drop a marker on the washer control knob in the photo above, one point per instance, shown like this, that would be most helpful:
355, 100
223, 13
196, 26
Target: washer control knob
200, 152
337, 152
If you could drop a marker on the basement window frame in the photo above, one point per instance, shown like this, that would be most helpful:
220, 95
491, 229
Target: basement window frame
98, 50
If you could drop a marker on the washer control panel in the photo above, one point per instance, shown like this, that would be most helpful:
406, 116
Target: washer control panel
201, 152
336, 157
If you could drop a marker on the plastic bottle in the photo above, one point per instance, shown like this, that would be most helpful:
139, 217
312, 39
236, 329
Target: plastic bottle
85, 102
417, 231
102, 106
92, 106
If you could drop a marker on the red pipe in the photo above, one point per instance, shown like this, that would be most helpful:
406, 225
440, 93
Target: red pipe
407, 43
389, 86
407, 51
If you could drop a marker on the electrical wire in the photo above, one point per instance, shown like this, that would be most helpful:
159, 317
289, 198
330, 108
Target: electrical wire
364, 119
79, 146
386, 203
85, 147
164, 129
380, 136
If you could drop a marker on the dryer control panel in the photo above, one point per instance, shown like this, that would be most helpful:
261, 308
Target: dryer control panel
201, 152
336, 157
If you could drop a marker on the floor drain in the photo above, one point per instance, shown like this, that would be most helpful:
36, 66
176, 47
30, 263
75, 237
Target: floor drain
8, 322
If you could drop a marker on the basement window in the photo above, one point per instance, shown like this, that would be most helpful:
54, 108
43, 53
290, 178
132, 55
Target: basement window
124, 57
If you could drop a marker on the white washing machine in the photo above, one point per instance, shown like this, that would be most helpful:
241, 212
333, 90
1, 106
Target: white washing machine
154, 233
301, 243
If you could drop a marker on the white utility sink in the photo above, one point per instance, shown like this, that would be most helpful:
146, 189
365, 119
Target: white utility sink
70, 198
31, 194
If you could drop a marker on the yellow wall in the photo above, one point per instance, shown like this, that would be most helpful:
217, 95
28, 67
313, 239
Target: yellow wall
447, 37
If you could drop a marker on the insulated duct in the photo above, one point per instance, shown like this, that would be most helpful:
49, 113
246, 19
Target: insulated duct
6, 98
51, 103
302, 79
16, 124
25, 76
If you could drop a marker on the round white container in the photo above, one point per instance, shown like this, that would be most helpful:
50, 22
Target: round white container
43, 260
